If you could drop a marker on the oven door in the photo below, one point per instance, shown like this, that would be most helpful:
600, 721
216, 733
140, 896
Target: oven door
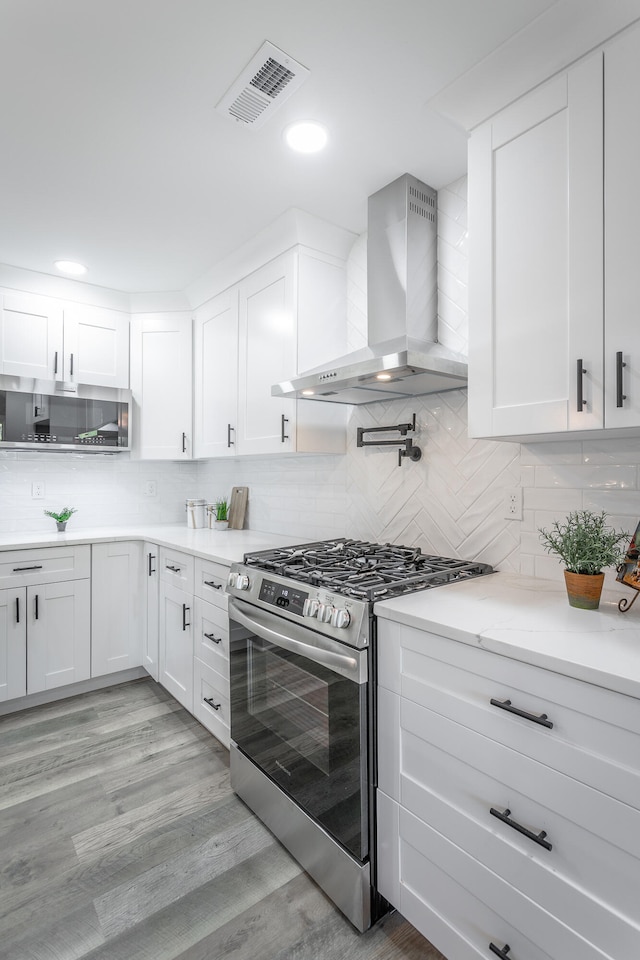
299, 712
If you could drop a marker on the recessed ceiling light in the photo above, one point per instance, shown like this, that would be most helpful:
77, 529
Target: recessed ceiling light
307, 136
71, 267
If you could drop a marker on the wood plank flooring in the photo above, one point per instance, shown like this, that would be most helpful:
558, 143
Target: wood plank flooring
120, 839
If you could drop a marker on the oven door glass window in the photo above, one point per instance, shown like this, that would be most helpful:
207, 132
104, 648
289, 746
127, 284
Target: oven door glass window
304, 726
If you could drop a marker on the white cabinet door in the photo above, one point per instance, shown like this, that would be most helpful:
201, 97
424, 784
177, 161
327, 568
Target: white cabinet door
151, 633
30, 337
161, 382
215, 377
267, 355
176, 644
13, 643
117, 609
59, 632
622, 242
535, 261
96, 346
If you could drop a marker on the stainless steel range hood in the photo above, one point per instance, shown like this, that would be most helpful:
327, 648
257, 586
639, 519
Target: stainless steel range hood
403, 358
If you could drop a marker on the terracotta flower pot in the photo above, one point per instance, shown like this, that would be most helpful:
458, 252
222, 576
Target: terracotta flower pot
584, 589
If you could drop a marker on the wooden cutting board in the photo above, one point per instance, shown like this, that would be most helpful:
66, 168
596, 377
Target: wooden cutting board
238, 507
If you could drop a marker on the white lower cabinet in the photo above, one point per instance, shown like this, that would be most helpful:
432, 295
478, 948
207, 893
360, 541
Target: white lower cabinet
211, 668
150, 634
13, 644
508, 803
117, 611
176, 644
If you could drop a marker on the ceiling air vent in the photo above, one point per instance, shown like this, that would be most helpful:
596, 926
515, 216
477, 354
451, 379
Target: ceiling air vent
269, 78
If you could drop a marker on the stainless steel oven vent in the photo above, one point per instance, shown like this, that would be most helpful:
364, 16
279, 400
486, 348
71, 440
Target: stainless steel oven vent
270, 77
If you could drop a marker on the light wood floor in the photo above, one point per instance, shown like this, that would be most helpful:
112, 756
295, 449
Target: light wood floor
120, 839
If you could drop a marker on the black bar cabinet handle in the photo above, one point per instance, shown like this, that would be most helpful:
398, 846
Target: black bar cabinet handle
211, 583
209, 700
17, 609
55, 362
184, 616
213, 639
36, 566
173, 569
70, 364
283, 436
498, 952
151, 557
230, 442
620, 364
505, 816
540, 718
36, 606
184, 442
580, 401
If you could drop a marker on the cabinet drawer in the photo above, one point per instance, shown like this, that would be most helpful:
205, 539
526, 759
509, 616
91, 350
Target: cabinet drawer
452, 777
436, 880
177, 568
211, 700
211, 582
211, 636
595, 733
44, 565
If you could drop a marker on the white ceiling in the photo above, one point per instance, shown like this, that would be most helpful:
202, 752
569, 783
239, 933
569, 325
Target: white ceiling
112, 153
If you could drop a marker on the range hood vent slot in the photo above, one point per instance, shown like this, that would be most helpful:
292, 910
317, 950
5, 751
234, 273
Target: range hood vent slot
269, 79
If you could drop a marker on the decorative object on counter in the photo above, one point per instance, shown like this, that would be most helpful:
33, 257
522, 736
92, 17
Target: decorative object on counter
238, 507
586, 545
222, 514
195, 513
410, 449
62, 517
629, 571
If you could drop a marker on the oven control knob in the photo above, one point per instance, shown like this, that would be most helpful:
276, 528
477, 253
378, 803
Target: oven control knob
325, 610
340, 619
310, 608
242, 581
231, 579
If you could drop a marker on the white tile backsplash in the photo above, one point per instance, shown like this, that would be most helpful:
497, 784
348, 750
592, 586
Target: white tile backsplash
450, 502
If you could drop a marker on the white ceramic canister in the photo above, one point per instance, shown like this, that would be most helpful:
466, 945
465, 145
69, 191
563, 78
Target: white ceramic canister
195, 513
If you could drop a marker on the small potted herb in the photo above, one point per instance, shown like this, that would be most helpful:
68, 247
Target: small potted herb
586, 545
222, 514
62, 517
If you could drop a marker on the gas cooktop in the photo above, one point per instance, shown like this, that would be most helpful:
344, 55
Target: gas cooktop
367, 571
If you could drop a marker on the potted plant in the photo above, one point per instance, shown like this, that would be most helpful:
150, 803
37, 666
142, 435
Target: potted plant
222, 513
586, 545
62, 517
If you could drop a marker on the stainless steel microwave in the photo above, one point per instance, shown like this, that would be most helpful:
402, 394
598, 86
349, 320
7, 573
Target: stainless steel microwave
63, 416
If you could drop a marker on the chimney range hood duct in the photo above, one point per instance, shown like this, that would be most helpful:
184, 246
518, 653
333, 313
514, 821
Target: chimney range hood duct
403, 358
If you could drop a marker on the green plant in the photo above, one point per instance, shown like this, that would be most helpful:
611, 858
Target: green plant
222, 509
63, 516
584, 542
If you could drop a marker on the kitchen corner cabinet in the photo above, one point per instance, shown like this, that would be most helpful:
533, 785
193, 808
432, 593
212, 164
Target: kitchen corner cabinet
283, 318
161, 383
45, 339
117, 613
535, 261
508, 803
152, 598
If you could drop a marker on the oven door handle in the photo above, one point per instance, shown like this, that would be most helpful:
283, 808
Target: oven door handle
346, 666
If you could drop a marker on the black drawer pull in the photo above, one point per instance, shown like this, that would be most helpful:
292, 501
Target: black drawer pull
283, 436
534, 717
173, 569
210, 583
17, 609
580, 401
498, 952
35, 607
184, 616
209, 700
151, 557
213, 639
620, 396
37, 566
505, 817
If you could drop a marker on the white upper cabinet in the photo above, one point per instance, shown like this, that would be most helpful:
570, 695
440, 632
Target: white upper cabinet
161, 383
622, 241
535, 261
215, 377
47, 340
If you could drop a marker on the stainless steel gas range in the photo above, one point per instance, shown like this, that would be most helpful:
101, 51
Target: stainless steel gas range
303, 699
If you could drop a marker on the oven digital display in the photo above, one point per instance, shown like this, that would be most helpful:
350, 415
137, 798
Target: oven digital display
287, 597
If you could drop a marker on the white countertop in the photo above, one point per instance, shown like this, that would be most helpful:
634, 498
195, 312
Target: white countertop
531, 620
225, 546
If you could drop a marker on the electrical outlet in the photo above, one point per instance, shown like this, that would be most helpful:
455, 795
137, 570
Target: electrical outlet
150, 488
37, 490
513, 503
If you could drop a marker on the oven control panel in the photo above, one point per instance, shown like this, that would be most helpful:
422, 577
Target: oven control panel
287, 598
